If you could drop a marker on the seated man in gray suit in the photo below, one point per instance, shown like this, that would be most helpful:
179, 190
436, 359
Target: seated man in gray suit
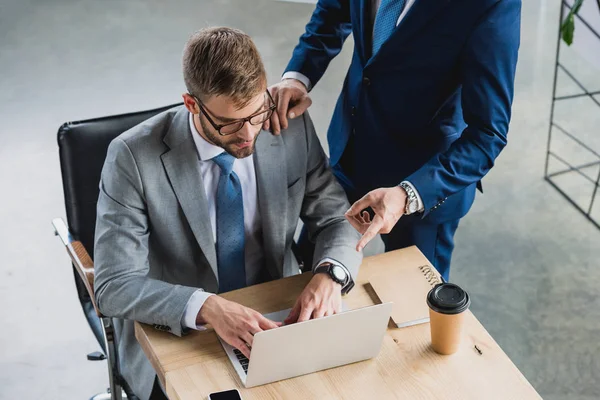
198, 201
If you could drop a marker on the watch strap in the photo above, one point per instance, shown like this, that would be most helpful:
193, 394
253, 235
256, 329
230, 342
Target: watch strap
411, 198
327, 267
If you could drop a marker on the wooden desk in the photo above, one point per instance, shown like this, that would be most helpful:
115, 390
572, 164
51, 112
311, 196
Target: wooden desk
406, 368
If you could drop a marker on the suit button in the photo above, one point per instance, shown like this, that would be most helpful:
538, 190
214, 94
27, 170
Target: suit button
163, 328
353, 111
353, 132
366, 81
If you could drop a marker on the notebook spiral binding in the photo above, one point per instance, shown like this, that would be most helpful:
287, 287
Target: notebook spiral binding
430, 275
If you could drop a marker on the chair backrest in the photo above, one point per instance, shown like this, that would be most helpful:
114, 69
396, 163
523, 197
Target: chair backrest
82, 148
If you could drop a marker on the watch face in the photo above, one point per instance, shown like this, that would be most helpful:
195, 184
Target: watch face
412, 207
339, 273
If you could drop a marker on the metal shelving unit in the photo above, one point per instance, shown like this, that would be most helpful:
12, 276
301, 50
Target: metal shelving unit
557, 129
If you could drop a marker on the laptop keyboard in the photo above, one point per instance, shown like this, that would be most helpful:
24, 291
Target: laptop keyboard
242, 360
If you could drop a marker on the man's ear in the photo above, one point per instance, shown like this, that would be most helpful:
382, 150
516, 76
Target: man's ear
190, 103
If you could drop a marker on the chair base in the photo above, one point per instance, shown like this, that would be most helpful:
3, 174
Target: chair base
108, 396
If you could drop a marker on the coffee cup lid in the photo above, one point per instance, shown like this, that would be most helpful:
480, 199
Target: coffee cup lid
448, 298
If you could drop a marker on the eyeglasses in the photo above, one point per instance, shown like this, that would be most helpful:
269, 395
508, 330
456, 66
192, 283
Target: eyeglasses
232, 127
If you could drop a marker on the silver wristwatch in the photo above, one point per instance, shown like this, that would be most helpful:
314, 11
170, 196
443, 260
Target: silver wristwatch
338, 274
412, 203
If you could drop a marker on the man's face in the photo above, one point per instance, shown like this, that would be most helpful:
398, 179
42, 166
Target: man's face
222, 110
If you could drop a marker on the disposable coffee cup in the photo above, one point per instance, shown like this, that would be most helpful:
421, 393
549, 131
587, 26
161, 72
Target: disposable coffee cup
447, 305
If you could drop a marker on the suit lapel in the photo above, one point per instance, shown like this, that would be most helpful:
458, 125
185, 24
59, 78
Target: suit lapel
271, 180
183, 169
421, 12
361, 11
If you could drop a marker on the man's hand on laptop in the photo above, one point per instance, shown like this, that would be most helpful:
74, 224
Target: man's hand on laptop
321, 297
233, 322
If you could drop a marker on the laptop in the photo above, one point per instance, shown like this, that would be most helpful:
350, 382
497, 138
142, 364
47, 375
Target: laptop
310, 346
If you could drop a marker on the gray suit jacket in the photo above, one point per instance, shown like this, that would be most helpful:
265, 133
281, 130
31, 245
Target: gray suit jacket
154, 244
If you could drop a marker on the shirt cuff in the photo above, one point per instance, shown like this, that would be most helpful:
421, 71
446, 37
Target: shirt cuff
420, 206
298, 76
334, 262
192, 309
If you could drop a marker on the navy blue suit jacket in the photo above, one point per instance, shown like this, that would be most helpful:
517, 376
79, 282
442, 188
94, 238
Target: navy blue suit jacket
432, 106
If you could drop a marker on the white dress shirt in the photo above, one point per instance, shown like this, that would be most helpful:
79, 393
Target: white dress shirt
304, 79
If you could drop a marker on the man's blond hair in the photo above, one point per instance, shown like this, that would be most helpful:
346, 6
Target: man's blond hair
223, 61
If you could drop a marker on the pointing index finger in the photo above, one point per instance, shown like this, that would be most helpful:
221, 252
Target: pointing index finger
370, 233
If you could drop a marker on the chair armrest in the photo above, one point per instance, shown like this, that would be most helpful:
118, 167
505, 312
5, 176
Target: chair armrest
81, 259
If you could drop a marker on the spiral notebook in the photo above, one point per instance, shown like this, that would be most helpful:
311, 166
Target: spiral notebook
407, 288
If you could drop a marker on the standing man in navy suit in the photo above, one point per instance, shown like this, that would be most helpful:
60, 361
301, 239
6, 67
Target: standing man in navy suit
423, 113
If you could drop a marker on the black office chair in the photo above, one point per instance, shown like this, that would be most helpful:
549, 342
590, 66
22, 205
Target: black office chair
82, 148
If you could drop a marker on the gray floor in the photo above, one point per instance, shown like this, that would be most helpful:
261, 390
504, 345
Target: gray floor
528, 258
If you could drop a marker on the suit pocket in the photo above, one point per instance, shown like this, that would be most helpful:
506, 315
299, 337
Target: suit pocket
296, 189
295, 197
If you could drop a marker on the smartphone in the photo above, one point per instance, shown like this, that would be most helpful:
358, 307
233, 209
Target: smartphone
226, 395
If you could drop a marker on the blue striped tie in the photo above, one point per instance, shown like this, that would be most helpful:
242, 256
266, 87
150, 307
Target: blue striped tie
387, 16
230, 227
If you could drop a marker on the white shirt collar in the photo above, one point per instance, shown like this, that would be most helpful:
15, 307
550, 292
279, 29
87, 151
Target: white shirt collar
206, 150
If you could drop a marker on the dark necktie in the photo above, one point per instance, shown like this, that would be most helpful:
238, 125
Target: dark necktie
385, 22
230, 227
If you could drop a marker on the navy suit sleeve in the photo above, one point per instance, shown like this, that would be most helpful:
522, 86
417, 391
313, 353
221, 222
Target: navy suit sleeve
488, 64
325, 34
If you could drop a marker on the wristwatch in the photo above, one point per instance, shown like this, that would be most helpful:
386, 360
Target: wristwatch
338, 274
412, 204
